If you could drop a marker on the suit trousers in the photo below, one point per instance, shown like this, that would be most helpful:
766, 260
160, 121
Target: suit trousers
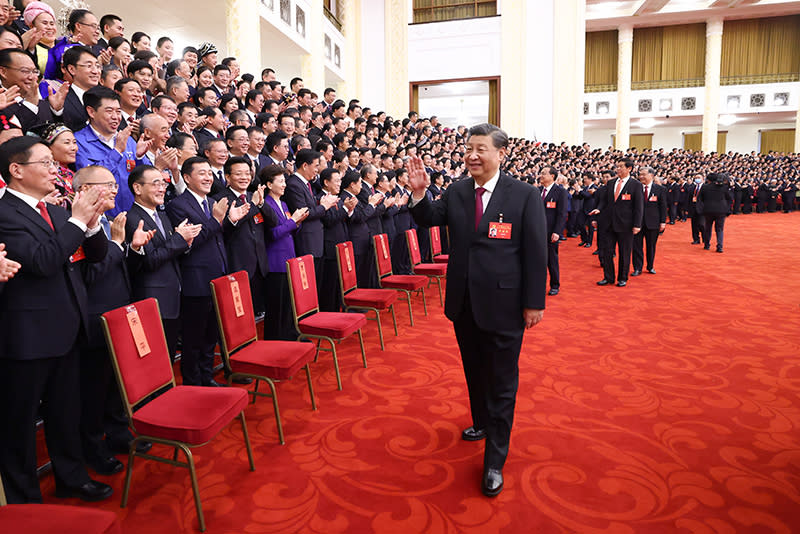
172, 328
552, 264
718, 221
56, 383
330, 299
491, 369
102, 412
698, 225
587, 231
624, 244
278, 319
199, 337
646, 239
401, 264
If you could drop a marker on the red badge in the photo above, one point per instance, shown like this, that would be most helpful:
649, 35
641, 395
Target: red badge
625, 196
258, 218
653, 199
550, 204
498, 230
78, 255
130, 164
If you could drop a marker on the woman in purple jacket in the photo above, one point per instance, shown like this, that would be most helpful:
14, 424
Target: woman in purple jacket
278, 322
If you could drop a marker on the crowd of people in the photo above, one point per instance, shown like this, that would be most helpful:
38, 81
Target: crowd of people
129, 171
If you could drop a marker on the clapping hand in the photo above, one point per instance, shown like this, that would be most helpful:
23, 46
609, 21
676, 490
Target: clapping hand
418, 179
237, 213
140, 237
188, 231
8, 268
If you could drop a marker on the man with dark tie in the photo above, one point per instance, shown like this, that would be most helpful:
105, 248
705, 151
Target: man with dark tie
335, 231
695, 216
216, 152
623, 201
309, 238
43, 316
108, 288
555, 201
357, 228
496, 281
157, 273
654, 221
205, 261
373, 206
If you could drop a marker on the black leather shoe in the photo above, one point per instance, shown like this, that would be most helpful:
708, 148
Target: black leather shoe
473, 434
587, 245
243, 380
124, 448
636, 273
553, 291
92, 491
581, 244
695, 242
596, 253
492, 483
604, 282
706, 247
651, 271
107, 466
719, 249
213, 384
622, 283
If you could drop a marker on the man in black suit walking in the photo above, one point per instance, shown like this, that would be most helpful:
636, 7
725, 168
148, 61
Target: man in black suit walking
555, 202
496, 282
654, 221
43, 317
623, 201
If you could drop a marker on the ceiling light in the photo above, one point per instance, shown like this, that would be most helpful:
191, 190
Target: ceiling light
646, 123
734, 101
602, 108
727, 120
781, 99
665, 104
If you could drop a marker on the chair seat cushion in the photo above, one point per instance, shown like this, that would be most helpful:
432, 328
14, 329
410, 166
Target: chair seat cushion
274, 359
373, 298
433, 269
332, 324
191, 414
441, 258
57, 519
408, 282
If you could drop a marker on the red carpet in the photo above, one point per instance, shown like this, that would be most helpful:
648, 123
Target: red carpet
668, 406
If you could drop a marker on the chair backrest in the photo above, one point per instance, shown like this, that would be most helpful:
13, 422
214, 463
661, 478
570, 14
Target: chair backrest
346, 261
135, 338
383, 258
233, 304
436, 241
413, 247
302, 285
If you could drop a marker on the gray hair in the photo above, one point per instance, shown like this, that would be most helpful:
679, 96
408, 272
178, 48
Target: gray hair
85, 173
499, 137
648, 170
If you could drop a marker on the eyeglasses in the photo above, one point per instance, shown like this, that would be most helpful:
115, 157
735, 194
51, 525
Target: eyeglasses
158, 184
25, 71
113, 186
47, 163
90, 66
92, 26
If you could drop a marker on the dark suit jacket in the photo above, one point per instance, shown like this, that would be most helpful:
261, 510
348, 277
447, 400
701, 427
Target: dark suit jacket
157, 274
203, 136
334, 225
246, 243
625, 213
44, 307
714, 199
556, 216
108, 287
501, 277
309, 237
74, 115
373, 213
206, 258
655, 207
27, 118
357, 228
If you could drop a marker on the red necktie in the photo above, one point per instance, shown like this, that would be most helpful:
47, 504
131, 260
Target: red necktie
243, 198
478, 205
544, 193
646, 191
618, 188
309, 189
46, 216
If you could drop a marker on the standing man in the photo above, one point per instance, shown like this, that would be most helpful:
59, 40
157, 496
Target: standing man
623, 200
654, 221
496, 282
697, 220
554, 198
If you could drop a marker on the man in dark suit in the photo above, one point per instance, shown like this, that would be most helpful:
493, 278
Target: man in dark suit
623, 201
334, 232
554, 198
654, 221
83, 68
17, 69
373, 208
205, 261
496, 282
357, 228
695, 216
589, 203
43, 317
157, 273
309, 238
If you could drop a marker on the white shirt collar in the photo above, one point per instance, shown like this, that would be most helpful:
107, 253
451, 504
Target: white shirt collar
108, 142
78, 91
491, 184
198, 198
27, 199
151, 213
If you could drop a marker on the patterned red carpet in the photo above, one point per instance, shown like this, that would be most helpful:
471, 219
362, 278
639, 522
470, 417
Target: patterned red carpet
668, 406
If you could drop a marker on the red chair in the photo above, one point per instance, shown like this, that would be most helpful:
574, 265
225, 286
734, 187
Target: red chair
181, 417
315, 324
434, 271
436, 247
55, 518
407, 283
354, 298
247, 356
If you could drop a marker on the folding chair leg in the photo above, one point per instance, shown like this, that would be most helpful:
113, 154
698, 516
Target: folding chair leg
255, 391
271, 385
439, 283
335, 363
195, 487
247, 440
424, 303
310, 387
380, 328
394, 319
410, 312
129, 473
363, 354
175, 455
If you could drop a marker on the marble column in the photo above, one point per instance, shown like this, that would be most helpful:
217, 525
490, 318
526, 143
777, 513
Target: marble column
624, 95
243, 34
396, 57
312, 64
712, 91
513, 74
351, 55
569, 55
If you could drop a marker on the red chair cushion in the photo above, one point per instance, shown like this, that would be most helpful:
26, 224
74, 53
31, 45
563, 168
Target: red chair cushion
273, 359
332, 324
409, 282
439, 269
373, 298
57, 519
441, 258
191, 414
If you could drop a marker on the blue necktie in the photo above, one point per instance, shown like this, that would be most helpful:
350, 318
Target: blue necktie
160, 226
205, 208
106, 226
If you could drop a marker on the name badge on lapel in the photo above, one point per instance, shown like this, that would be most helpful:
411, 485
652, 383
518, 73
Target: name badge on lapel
78, 255
625, 196
258, 218
550, 204
500, 230
653, 199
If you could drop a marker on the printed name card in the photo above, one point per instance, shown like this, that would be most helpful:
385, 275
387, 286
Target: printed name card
137, 331
237, 297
